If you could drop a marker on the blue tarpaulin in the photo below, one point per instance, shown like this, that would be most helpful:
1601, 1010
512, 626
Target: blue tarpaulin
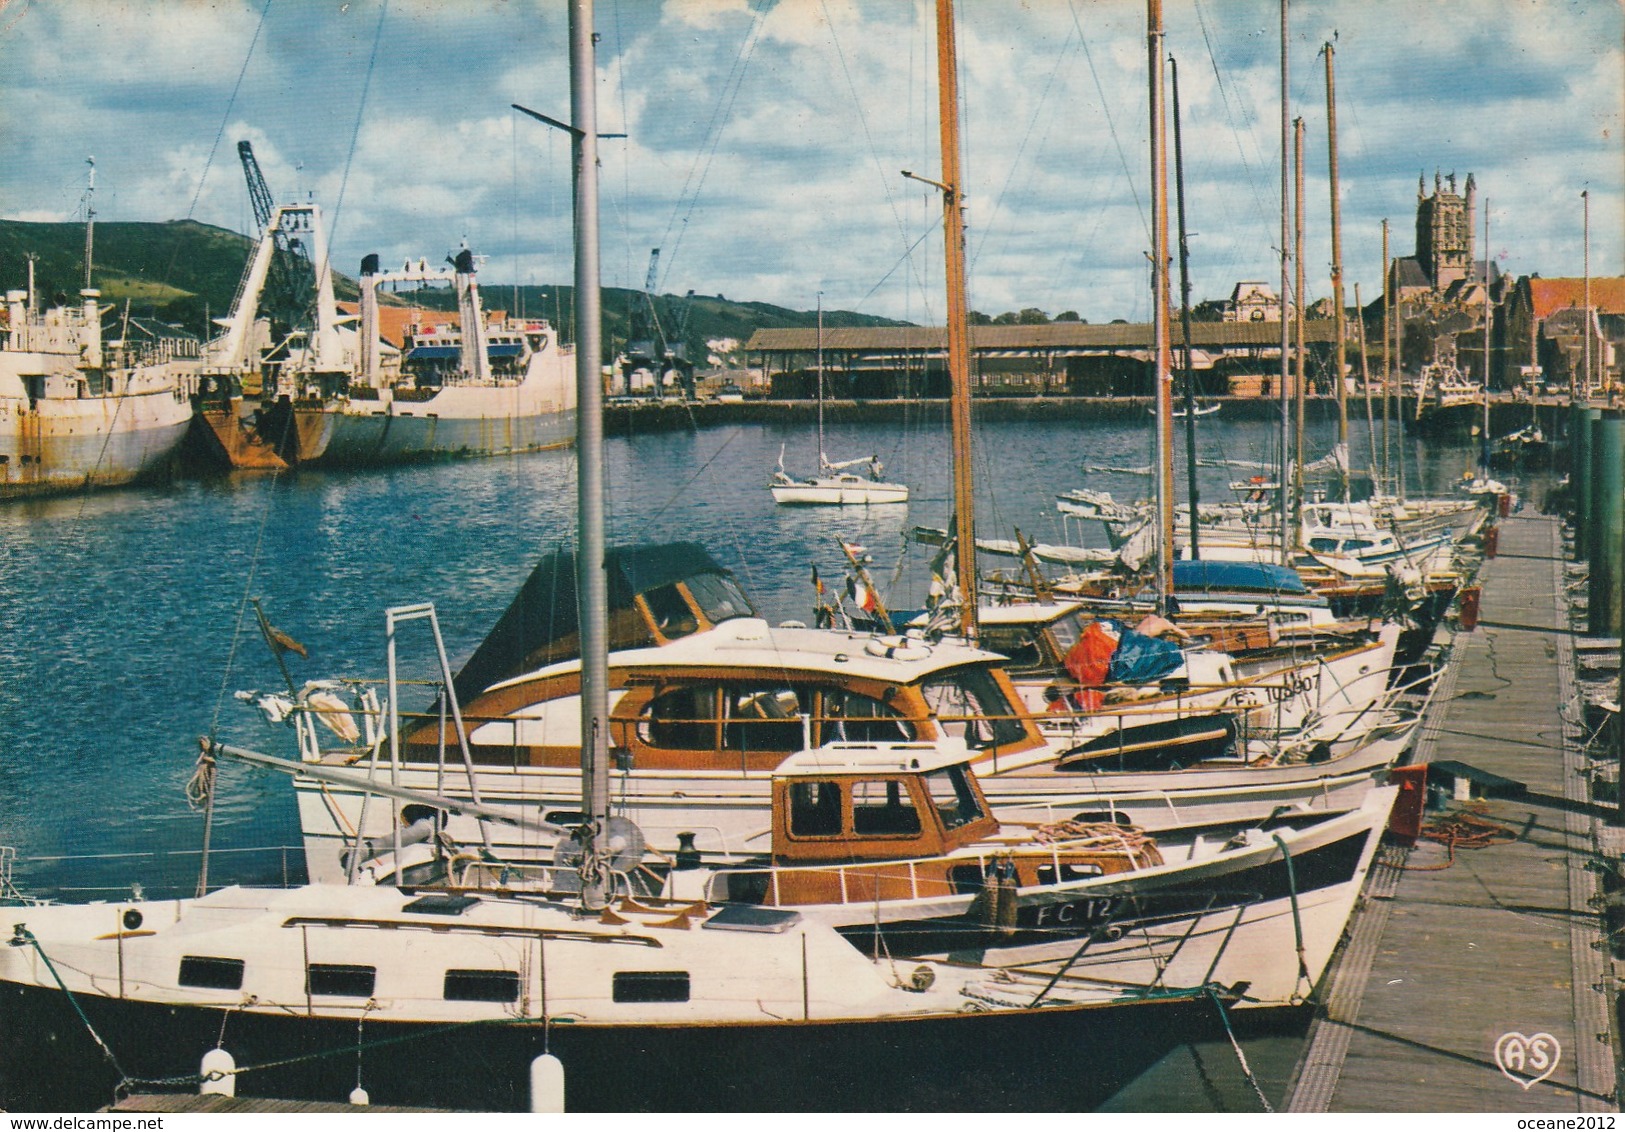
1202, 575
1140, 659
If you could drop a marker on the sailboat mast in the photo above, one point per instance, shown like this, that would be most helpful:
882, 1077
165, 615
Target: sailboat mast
1185, 314
1365, 383
591, 582
1576, 390
1162, 375
90, 217
1387, 355
953, 229
1338, 314
1489, 316
1286, 256
820, 366
1300, 377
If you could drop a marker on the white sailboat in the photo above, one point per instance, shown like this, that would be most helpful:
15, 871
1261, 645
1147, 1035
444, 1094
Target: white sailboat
834, 484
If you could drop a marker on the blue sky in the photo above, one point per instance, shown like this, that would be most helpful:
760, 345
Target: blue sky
766, 139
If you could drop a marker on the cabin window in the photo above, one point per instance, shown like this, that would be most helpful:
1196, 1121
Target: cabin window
1020, 646
683, 719
815, 809
884, 809
482, 986
1357, 544
672, 616
1323, 545
1069, 872
849, 717
650, 986
211, 973
719, 597
954, 796
968, 702
340, 979
763, 718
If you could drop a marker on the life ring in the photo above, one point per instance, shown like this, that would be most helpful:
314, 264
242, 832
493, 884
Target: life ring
897, 648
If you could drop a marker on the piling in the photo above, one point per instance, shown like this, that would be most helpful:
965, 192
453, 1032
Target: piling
1607, 522
1580, 417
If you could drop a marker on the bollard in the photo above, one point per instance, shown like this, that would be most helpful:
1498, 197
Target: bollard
1469, 608
1607, 523
1492, 540
218, 1061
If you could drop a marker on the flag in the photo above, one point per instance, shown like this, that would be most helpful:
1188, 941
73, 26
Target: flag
279, 641
863, 597
818, 585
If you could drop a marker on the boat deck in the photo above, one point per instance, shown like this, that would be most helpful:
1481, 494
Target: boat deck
1453, 955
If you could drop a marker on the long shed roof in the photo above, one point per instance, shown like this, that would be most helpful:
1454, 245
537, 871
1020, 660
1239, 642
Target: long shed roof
1046, 336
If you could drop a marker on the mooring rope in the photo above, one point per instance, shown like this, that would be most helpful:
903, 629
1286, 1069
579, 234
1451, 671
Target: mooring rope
1297, 923
1241, 1057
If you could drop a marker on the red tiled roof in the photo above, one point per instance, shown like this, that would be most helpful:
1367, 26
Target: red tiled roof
393, 321
1550, 295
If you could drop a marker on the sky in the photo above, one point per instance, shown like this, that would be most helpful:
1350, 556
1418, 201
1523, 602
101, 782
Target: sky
766, 138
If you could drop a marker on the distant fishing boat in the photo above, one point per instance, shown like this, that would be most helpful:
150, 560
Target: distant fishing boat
334, 394
74, 415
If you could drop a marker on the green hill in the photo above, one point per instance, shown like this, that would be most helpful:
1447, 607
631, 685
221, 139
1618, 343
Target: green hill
185, 272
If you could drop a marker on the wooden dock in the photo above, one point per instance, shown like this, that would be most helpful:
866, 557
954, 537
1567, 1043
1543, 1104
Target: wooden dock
1453, 957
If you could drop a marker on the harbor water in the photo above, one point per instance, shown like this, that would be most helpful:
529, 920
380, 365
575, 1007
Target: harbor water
126, 623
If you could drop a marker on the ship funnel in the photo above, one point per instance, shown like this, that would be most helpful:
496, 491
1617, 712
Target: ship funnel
464, 262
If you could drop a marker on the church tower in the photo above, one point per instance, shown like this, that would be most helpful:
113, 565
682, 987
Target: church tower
1444, 230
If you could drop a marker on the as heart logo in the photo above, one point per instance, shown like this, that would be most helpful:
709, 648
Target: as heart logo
1527, 1059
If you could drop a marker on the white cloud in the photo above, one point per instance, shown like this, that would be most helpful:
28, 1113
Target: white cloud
767, 139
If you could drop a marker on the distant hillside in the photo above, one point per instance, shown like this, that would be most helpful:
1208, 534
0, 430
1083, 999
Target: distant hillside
184, 272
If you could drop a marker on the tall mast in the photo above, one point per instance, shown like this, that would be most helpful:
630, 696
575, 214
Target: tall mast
1365, 383
1585, 198
90, 216
1489, 317
1387, 354
820, 364
1163, 375
953, 234
1185, 315
1286, 256
591, 583
1300, 377
1338, 314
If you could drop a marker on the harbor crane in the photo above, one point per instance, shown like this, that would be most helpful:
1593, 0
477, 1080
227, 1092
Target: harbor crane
650, 347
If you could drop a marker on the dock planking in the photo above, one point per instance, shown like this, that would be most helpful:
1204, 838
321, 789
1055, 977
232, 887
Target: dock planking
1448, 955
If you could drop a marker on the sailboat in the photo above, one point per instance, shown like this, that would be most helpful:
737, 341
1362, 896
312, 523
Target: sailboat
479, 998
834, 484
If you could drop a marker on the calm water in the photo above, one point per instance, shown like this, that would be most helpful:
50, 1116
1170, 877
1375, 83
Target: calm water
124, 628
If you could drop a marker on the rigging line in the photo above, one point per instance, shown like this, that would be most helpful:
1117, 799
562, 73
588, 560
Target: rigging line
626, 165
355, 137
1106, 112
932, 230
1015, 162
713, 139
1259, 204
874, 155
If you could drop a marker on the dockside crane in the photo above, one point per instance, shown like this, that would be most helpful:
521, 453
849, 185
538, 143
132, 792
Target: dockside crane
649, 347
290, 283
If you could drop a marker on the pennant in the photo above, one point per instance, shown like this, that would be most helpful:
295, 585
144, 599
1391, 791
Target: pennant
818, 584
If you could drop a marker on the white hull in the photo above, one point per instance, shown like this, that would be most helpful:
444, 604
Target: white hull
839, 491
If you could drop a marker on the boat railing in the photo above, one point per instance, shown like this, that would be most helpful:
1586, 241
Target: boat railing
160, 874
921, 878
